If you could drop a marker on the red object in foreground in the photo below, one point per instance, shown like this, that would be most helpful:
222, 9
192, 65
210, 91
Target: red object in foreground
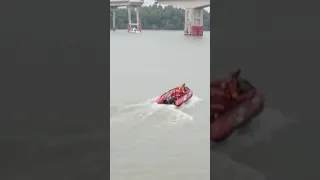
170, 98
237, 113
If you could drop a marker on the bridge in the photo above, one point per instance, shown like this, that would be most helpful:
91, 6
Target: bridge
186, 4
193, 19
193, 25
125, 3
131, 5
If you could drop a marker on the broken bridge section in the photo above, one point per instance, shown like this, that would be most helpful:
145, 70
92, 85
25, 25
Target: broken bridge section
131, 5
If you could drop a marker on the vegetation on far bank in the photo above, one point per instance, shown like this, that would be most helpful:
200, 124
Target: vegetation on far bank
156, 17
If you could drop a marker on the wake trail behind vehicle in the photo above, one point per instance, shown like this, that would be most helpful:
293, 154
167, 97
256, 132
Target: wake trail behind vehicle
149, 110
148, 140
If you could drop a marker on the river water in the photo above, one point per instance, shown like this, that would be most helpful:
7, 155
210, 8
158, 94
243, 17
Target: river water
151, 141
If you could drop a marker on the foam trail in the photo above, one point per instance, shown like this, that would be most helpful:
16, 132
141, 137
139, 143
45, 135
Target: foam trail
171, 114
191, 103
129, 112
176, 116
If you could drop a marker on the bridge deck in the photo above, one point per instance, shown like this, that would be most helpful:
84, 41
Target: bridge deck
186, 3
117, 3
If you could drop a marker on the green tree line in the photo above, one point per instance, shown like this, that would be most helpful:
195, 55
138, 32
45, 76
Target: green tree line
157, 17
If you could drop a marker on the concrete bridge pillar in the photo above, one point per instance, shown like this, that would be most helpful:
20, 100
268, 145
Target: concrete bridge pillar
193, 24
129, 19
138, 19
136, 25
114, 19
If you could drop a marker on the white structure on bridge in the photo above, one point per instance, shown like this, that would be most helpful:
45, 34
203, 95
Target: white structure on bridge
130, 4
193, 23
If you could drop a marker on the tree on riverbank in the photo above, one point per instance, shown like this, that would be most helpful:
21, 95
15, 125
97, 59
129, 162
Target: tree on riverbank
157, 17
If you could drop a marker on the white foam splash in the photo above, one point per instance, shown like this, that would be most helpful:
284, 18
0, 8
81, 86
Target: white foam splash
174, 115
129, 112
191, 103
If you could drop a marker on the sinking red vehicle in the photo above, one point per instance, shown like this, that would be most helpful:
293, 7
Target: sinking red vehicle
226, 116
171, 98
